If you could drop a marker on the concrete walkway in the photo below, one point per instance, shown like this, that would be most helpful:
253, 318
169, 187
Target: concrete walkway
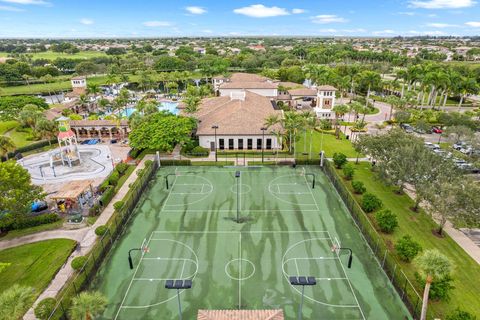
86, 238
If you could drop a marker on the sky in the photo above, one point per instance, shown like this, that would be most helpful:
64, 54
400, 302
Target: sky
208, 18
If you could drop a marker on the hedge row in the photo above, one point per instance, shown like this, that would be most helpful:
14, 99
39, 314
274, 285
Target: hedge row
30, 147
15, 222
107, 196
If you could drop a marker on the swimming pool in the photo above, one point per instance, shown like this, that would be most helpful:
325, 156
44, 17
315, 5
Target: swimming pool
170, 106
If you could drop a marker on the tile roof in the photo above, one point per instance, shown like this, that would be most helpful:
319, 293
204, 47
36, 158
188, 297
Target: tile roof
235, 117
247, 77
302, 92
249, 85
97, 123
240, 315
327, 88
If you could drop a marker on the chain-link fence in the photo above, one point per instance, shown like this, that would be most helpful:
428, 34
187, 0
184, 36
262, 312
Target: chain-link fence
100, 249
384, 257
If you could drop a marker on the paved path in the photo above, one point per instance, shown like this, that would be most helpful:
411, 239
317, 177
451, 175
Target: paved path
86, 238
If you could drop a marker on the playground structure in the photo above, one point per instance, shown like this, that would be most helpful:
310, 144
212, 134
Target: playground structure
67, 153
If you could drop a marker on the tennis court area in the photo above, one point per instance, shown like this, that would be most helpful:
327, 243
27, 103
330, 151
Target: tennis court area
291, 219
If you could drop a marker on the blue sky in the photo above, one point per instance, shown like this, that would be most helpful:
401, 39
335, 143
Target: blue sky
160, 18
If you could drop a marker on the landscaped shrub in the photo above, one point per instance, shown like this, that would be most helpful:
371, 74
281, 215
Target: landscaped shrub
16, 222
94, 210
358, 187
407, 248
460, 315
103, 186
121, 168
44, 308
371, 202
100, 230
339, 159
107, 196
386, 220
118, 205
348, 171
148, 163
78, 262
175, 162
440, 288
200, 151
134, 153
113, 179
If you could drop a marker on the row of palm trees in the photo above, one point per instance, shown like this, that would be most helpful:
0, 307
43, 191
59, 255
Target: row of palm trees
432, 84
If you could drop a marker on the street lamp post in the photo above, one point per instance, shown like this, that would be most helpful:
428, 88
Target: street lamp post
178, 285
302, 281
215, 127
263, 141
237, 176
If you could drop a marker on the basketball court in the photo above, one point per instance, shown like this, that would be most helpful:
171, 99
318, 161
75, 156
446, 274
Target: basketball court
292, 224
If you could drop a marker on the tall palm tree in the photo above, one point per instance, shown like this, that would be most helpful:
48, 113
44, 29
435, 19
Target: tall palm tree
46, 129
434, 266
340, 110
87, 306
6, 146
15, 301
467, 85
371, 79
191, 104
311, 124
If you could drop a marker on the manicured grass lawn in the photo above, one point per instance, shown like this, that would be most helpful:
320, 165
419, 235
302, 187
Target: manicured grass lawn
54, 55
466, 274
23, 232
330, 145
34, 264
7, 126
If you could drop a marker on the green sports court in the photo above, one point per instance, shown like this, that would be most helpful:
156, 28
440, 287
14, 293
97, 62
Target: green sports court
287, 227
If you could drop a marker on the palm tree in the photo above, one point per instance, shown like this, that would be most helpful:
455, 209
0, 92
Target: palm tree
6, 146
371, 79
87, 305
191, 104
15, 301
467, 85
434, 266
311, 124
46, 129
340, 111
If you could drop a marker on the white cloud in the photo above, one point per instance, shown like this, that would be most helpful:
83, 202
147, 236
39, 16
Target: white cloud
475, 24
426, 33
8, 8
328, 30
327, 18
195, 10
157, 24
260, 11
442, 4
358, 30
35, 2
407, 13
207, 31
383, 32
298, 11
441, 25
86, 21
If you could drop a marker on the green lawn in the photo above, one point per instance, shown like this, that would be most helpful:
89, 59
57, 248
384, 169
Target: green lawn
7, 126
466, 294
330, 145
34, 264
23, 232
54, 55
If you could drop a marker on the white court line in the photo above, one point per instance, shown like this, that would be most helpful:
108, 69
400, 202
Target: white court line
250, 231
133, 277
296, 266
240, 272
328, 279
311, 192
183, 268
348, 279
171, 189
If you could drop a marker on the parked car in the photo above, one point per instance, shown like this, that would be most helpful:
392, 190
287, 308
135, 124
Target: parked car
408, 128
113, 141
437, 130
85, 141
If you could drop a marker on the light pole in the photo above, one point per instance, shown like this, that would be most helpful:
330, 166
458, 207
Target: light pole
215, 127
263, 141
302, 281
177, 285
237, 176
